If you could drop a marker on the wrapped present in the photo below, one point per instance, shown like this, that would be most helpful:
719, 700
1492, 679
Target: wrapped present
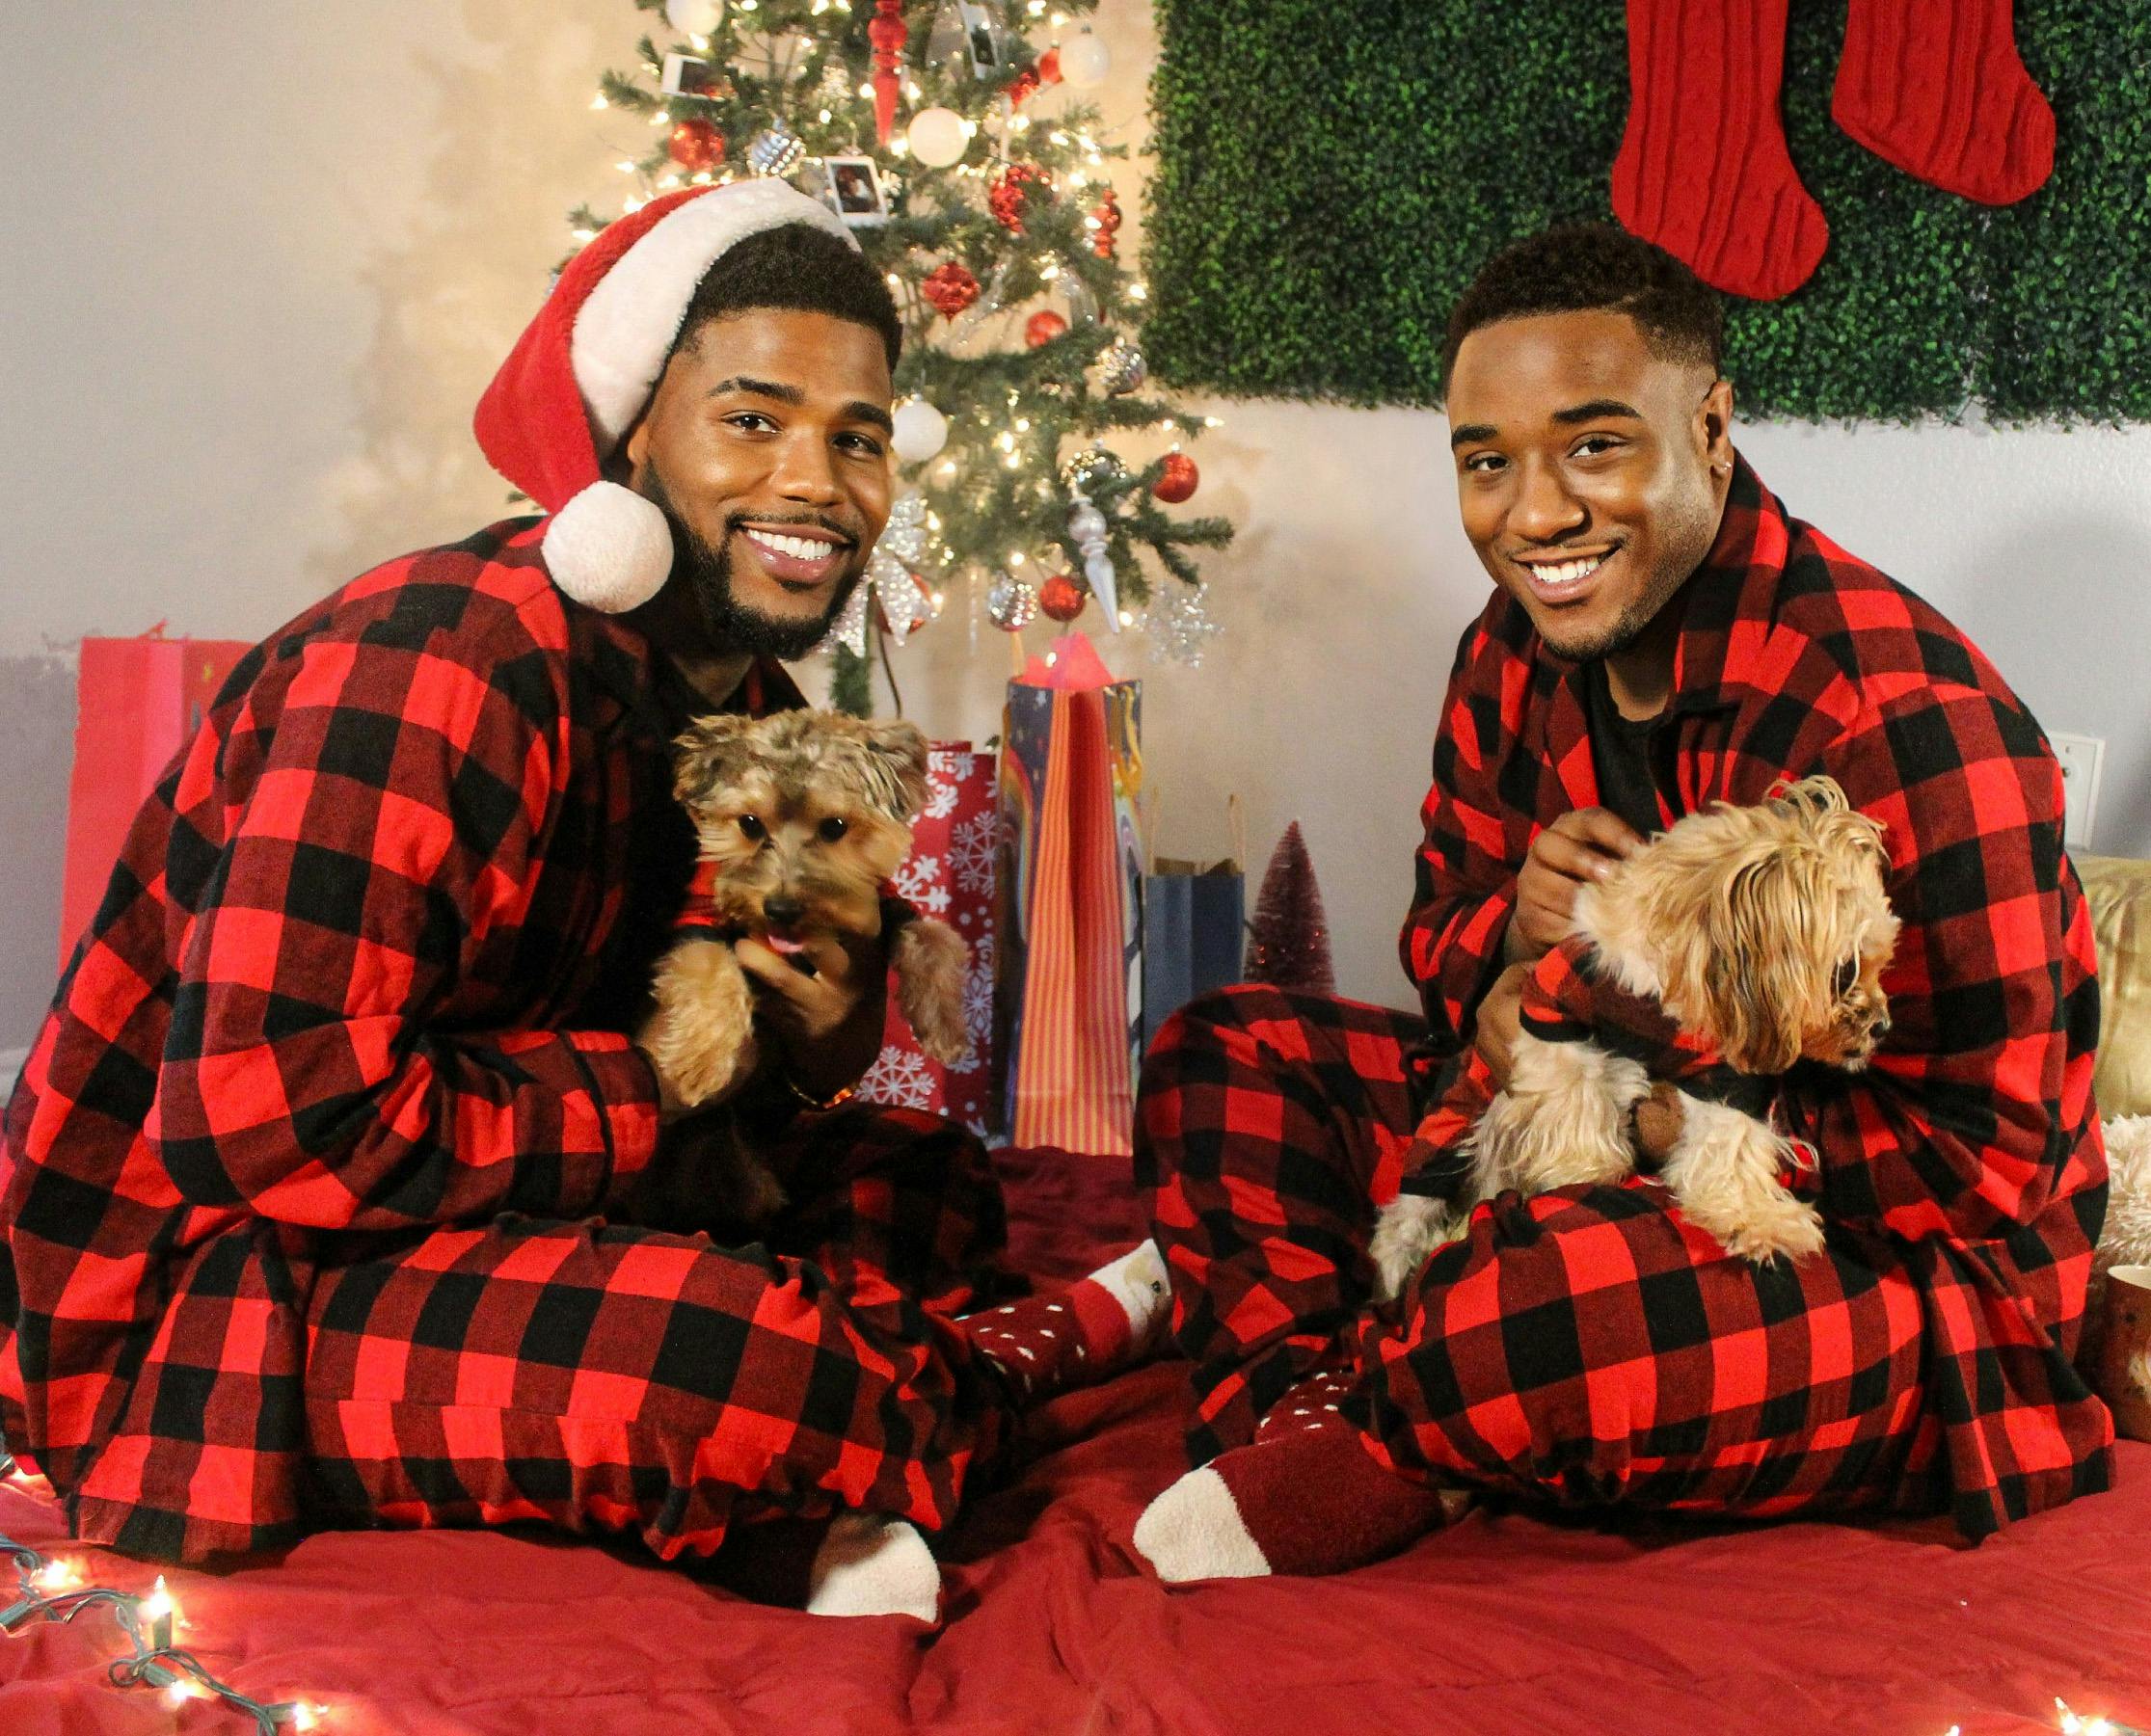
1193, 922
138, 703
1068, 992
948, 875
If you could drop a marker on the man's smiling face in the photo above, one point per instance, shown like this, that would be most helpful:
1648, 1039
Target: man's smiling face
1589, 471
767, 445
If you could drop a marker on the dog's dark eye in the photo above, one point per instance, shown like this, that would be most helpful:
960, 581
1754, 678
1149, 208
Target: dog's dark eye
833, 828
1849, 974
751, 826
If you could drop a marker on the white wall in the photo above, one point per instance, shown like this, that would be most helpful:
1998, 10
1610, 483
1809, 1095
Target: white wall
243, 340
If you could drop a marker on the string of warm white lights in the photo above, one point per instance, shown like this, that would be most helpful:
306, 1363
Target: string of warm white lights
54, 1591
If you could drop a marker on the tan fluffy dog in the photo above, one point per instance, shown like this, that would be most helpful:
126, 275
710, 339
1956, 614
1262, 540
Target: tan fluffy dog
1762, 930
801, 819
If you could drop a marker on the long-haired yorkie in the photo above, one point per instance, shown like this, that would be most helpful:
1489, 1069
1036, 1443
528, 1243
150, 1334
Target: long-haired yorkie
1760, 933
801, 818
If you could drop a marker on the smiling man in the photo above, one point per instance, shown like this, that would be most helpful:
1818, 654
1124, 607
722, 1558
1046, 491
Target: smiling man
334, 1169
1662, 635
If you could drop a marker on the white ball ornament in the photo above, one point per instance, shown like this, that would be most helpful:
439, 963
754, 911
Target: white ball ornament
693, 17
920, 431
1084, 62
936, 137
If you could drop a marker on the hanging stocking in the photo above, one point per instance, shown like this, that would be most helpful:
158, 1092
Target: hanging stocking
1936, 87
1703, 169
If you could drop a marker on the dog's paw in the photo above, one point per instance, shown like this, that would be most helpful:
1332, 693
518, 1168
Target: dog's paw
1411, 1227
1787, 1227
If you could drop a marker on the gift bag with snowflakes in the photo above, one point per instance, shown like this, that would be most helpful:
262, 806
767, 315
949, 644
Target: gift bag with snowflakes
948, 875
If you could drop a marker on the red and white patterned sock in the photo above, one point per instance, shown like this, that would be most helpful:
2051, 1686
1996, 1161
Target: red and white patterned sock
1703, 169
1101, 1324
1936, 87
1307, 1497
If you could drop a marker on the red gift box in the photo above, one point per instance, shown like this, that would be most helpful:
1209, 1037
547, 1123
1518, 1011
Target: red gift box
948, 875
138, 703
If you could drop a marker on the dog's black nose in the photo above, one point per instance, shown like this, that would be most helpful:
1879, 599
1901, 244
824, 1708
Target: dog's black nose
781, 910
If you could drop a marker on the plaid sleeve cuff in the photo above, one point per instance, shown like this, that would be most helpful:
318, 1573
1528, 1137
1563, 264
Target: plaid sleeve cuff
611, 1134
1467, 960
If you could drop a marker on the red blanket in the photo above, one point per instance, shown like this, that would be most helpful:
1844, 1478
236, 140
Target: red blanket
1505, 1624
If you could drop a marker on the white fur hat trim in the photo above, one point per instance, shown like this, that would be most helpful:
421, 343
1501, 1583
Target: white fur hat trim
626, 327
609, 548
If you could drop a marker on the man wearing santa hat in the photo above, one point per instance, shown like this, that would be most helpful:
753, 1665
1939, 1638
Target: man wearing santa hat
323, 1171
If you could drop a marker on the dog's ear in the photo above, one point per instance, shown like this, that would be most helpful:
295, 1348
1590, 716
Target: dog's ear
710, 753
1751, 966
895, 774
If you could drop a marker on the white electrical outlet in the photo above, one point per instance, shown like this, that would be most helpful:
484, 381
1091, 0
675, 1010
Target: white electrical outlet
2081, 756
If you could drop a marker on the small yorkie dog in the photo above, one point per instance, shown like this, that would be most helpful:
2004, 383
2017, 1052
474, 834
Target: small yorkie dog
1760, 933
802, 817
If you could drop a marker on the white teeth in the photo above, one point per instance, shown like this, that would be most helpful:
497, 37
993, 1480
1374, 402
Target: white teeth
805, 548
1566, 571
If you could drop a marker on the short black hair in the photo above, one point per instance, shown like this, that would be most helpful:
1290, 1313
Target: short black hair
796, 265
1584, 267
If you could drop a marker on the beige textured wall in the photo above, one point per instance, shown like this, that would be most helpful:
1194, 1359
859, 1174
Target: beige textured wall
255, 284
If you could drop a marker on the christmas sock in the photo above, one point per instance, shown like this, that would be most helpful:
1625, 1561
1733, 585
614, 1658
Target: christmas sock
1703, 169
1098, 1327
1936, 87
1307, 1497
870, 1565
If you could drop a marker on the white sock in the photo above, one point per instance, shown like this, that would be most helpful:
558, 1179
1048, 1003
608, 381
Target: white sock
1194, 1530
870, 1565
1140, 1284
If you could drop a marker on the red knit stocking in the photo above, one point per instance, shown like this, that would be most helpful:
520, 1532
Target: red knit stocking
1703, 169
1307, 1497
1936, 87
1099, 1325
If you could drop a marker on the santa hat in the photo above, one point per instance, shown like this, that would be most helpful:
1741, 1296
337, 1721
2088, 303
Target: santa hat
584, 368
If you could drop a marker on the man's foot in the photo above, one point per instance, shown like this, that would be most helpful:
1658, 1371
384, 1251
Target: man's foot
1099, 1326
1304, 1500
870, 1565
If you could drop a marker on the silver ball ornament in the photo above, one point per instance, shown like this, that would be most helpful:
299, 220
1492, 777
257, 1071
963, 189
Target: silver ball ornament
1123, 369
1011, 606
776, 151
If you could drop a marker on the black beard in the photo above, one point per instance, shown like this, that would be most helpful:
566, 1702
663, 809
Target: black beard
706, 573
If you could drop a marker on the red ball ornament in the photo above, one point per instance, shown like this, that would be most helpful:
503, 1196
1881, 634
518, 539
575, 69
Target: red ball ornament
1177, 481
1006, 198
950, 289
1063, 598
1043, 327
696, 145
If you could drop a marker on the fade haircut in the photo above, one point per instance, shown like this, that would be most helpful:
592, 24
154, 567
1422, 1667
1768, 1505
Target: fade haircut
1586, 267
794, 265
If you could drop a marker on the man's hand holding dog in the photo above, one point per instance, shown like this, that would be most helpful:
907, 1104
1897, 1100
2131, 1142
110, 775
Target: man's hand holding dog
826, 1028
1578, 847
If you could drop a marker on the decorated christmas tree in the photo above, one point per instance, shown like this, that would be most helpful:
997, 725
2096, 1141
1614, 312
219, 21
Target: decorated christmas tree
954, 136
1288, 937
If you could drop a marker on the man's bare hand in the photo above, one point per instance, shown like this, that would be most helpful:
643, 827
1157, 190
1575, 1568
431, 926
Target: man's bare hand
1577, 848
826, 1029
1500, 1019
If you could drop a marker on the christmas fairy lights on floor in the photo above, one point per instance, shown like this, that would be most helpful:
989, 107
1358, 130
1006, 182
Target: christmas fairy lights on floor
53, 1591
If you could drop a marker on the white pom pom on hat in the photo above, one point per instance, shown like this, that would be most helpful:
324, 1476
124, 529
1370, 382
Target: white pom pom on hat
583, 370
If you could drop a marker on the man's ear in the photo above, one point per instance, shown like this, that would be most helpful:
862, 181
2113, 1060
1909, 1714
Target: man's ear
1714, 428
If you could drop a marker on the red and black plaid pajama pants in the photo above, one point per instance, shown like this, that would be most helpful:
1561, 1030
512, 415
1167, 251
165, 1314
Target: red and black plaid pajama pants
1585, 1344
598, 1376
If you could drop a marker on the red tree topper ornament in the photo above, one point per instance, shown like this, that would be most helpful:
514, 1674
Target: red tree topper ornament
1006, 199
1043, 327
950, 289
1178, 480
696, 145
1107, 214
887, 33
1288, 937
1062, 596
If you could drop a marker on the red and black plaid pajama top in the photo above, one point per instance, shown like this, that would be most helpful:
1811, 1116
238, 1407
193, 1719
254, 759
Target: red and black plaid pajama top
1962, 1173
299, 1218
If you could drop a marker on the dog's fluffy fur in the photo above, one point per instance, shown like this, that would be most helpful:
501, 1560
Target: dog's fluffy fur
805, 815
1764, 930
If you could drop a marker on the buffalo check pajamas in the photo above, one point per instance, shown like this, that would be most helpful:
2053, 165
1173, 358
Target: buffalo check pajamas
1588, 1346
313, 1175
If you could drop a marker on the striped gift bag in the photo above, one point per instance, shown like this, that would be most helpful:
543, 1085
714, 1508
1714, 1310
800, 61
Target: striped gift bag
1069, 992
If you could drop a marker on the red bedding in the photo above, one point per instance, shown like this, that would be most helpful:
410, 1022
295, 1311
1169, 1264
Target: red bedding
1505, 1624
